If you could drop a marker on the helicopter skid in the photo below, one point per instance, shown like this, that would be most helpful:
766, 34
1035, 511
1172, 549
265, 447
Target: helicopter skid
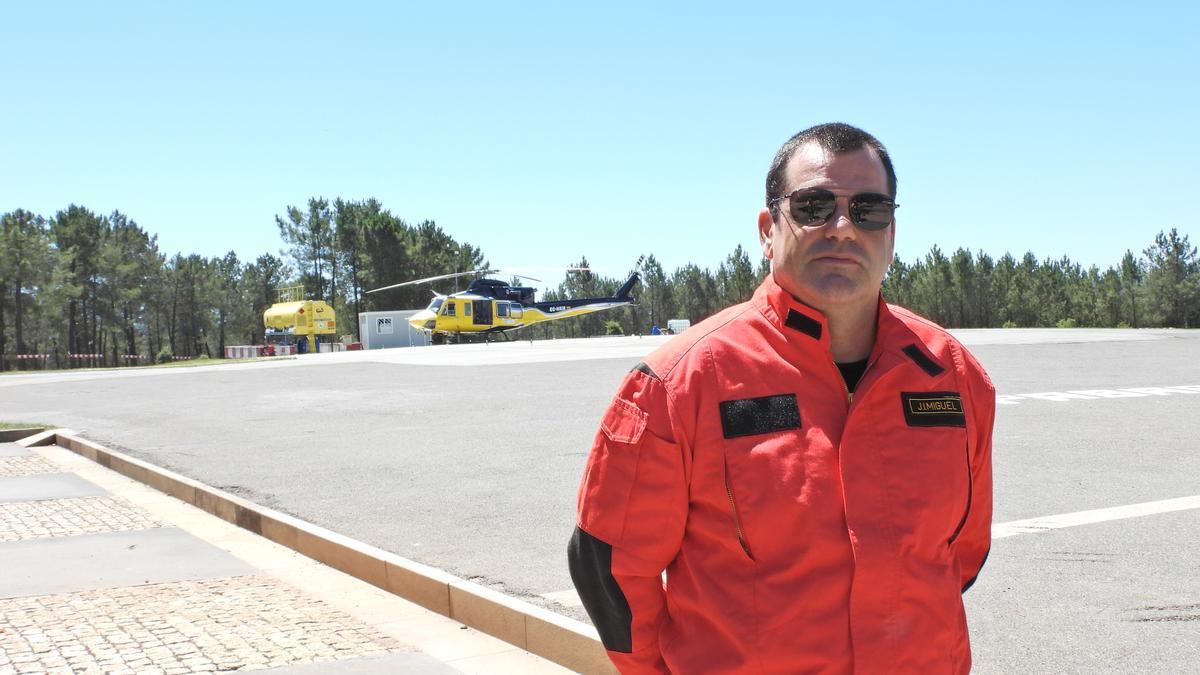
438, 337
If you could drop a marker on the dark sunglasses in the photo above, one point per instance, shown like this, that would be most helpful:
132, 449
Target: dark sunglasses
813, 206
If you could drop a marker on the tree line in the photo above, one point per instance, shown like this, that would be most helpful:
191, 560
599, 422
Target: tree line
81, 288
1160, 288
966, 289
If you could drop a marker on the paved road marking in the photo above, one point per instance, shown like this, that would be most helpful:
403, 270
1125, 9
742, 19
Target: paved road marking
1093, 394
569, 598
1035, 525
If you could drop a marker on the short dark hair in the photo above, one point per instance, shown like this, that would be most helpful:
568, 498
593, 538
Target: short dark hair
834, 137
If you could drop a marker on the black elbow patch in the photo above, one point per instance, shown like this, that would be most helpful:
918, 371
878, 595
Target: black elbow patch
971, 582
643, 368
590, 561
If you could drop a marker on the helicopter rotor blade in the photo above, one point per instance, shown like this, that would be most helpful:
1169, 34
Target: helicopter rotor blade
428, 279
514, 271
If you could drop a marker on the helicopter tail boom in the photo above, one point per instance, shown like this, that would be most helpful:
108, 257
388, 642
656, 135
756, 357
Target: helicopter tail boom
623, 291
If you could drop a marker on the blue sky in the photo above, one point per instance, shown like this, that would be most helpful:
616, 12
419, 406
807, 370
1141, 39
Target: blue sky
553, 130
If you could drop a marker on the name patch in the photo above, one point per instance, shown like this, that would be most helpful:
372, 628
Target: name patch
933, 409
749, 416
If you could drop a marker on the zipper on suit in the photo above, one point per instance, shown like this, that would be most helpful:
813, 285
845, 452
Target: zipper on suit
737, 523
863, 376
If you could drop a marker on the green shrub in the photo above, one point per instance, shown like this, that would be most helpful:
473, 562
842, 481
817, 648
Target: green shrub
613, 328
1010, 324
164, 355
1068, 322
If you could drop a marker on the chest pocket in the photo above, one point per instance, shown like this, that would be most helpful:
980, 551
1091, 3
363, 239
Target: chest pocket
927, 461
765, 459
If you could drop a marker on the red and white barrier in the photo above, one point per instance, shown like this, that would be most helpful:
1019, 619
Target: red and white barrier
242, 351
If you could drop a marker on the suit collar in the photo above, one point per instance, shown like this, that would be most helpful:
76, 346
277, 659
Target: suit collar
805, 322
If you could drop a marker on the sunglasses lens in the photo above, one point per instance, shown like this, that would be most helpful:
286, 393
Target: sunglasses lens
812, 206
872, 211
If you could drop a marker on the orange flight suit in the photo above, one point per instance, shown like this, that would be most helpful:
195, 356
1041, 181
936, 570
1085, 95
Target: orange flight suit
802, 529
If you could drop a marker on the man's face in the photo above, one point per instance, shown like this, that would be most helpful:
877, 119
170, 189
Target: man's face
832, 265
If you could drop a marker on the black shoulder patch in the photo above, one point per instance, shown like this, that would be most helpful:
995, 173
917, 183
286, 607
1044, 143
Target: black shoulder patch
933, 409
932, 368
749, 416
642, 367
805, 324
590, 562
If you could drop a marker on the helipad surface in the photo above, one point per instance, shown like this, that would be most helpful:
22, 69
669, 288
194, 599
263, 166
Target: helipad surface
467, 458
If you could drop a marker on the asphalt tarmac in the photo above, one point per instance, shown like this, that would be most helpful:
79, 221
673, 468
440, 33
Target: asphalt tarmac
467, 458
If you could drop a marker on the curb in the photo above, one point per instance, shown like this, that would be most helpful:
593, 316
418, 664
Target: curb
13, 435
565, 641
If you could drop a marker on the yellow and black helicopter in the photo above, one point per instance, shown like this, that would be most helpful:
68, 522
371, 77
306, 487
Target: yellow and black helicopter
492, 307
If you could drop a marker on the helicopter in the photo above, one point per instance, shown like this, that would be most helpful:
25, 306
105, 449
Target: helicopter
490, 307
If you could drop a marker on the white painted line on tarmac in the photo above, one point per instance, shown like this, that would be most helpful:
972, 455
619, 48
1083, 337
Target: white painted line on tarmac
1045, 523
1046, 336
569, 598
1093, 394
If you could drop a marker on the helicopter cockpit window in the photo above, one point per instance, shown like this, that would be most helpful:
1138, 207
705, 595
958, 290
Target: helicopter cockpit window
435, 305
448, 310
516, 311
502, 309
466, 309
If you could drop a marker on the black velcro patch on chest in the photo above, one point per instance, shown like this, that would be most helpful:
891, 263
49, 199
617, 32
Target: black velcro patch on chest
933, 409
749, 416
805, 324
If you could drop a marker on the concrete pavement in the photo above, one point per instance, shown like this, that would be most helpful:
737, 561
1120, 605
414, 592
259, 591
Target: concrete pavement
104, 574
472, 468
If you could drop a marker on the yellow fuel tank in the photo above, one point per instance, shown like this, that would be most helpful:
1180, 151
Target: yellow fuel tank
305, 317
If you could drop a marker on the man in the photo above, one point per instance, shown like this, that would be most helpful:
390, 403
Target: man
811, 469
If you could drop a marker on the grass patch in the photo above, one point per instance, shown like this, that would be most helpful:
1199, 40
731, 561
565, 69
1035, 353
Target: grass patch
196, 363
4, 426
